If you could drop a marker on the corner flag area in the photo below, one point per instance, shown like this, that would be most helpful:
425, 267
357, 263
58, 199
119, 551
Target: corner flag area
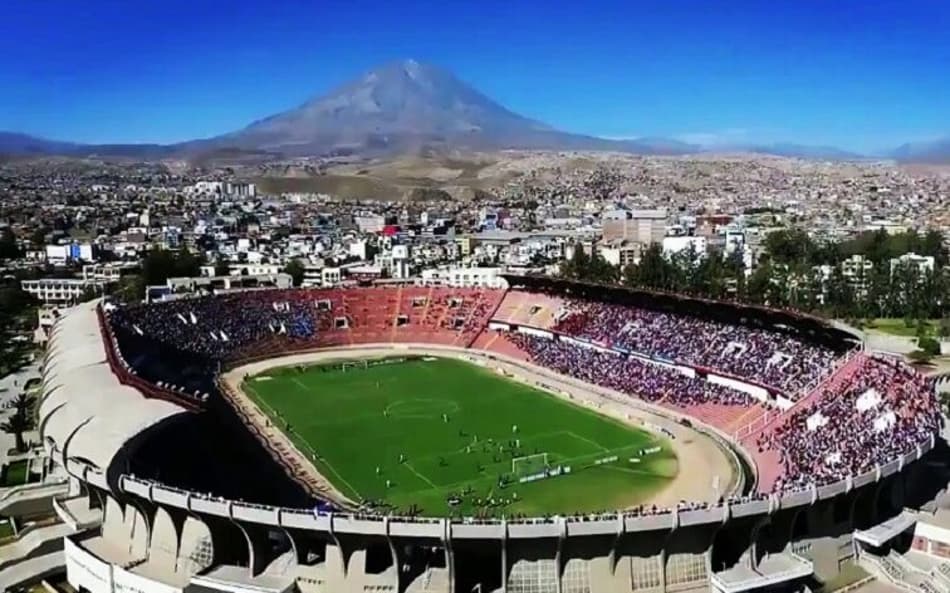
444, 437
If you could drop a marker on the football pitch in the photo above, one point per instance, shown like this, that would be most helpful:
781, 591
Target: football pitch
443, 437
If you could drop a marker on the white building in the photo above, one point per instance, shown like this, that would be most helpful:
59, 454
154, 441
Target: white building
62, 254
60, 291
359, 249
620, 253
675, 245
370, 223
108, 272
331, 276
245, 269
206, 187
464, 277
922, 264
240, 189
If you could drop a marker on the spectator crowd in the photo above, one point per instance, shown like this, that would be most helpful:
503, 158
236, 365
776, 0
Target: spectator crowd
629, 375
881, 411
768, 358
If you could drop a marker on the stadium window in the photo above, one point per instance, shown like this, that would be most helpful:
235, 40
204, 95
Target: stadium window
685, 568
645, 573
576, 577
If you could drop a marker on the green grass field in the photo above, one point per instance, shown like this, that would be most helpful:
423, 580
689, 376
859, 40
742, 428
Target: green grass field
16, 474
436, 429
897, 327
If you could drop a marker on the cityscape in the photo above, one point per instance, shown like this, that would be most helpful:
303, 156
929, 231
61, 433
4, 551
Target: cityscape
407, 338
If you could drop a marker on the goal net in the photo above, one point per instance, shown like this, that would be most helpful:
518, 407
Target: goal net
350, 366
529, 465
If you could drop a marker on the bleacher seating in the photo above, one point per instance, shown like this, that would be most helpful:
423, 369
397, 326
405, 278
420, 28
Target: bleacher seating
851, 412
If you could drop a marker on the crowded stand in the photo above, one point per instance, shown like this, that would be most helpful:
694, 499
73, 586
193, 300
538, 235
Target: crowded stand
634, 377
768, 358
869, 411
235, 325
884, 409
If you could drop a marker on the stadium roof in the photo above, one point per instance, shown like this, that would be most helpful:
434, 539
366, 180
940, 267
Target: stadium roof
85, 410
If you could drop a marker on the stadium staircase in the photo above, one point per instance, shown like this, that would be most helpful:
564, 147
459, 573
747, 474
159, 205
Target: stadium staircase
902, 573
29, 571
33, 542
941, 574
19, 500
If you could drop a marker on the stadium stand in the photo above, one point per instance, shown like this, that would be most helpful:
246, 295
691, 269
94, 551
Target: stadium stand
628, 349
778, 362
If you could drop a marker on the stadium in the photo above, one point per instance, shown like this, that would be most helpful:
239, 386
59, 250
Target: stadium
548, 436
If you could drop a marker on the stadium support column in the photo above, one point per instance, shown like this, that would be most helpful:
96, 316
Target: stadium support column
558, 555
449, 554
393, 553
612, 558
663, 563
504, 555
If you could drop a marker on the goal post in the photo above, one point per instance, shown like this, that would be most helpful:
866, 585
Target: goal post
529, 465
356, 364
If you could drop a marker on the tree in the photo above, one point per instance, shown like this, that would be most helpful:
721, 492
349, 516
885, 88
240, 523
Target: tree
929, 345
840, 299
653, 271
932, 244
573, 269
296, 270
758, 287
130, 289
221, 267
38, 238
93, 291
600, 270
790, 246
920, 357
21, 421
160, 264
9, 249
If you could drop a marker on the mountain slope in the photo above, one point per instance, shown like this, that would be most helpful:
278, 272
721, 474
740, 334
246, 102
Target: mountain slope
937, 151
804, 151
22, 144
408, 106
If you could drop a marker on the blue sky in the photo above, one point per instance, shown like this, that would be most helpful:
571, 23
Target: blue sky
863, 75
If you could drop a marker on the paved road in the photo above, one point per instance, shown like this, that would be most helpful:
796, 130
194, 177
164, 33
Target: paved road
11, 385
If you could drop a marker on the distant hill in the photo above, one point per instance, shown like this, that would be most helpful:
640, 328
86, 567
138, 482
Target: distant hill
937, 151
15, 143
805, 151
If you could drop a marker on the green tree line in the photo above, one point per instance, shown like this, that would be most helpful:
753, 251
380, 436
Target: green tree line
794, 271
